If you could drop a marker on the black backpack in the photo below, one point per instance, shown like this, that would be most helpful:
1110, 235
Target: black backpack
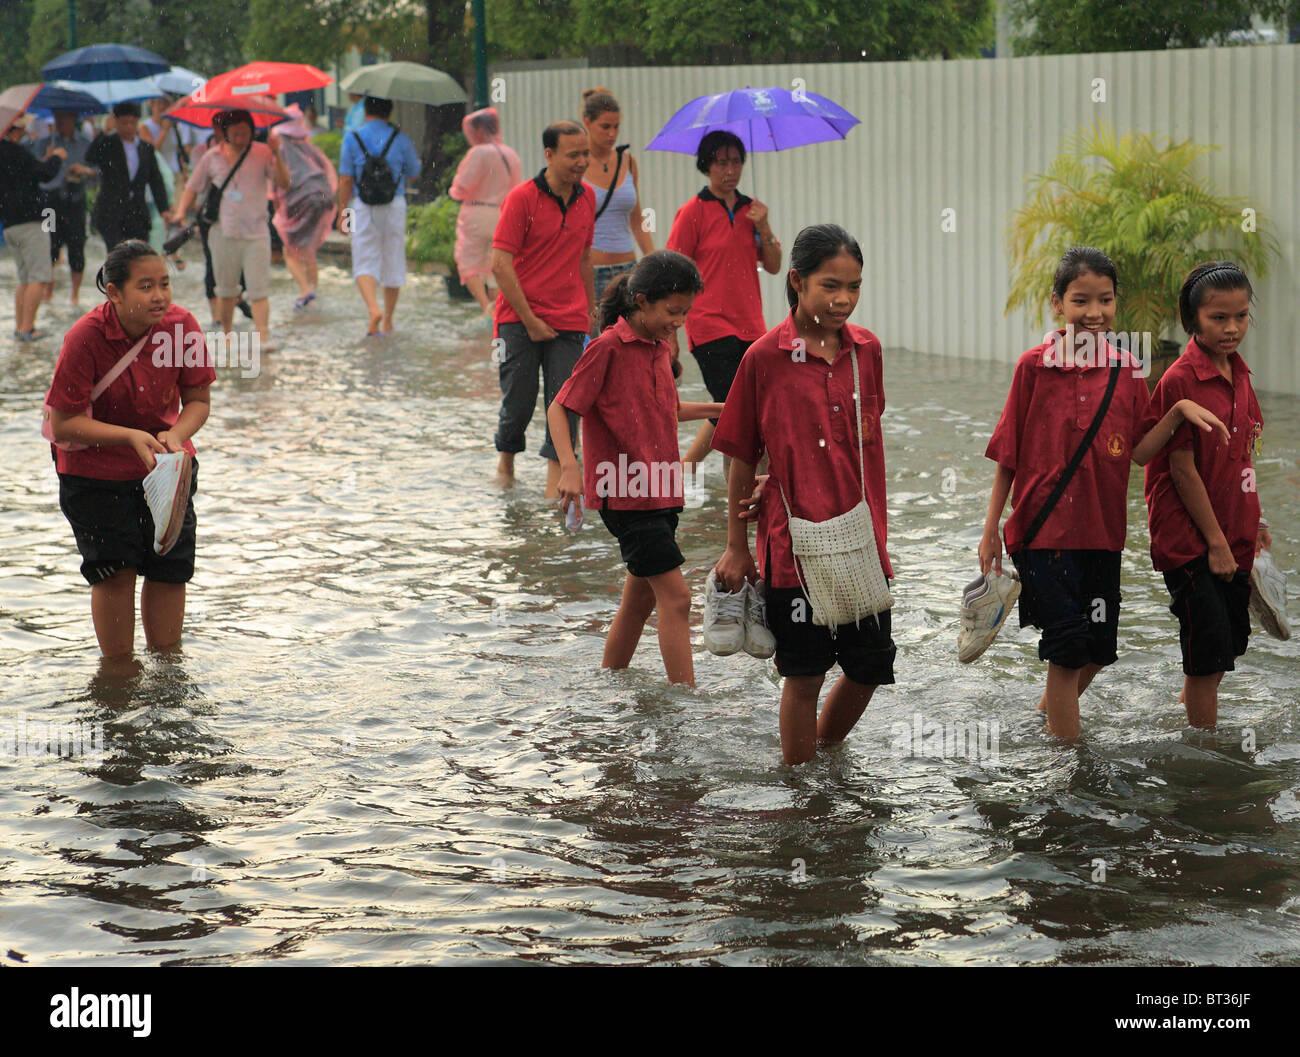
377, 185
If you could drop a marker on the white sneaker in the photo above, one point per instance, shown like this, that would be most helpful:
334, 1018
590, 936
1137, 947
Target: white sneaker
724, 618
985, 604
1268, 597
759, 640
167, 491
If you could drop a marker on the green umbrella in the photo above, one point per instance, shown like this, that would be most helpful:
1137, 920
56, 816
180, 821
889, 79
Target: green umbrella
406, 81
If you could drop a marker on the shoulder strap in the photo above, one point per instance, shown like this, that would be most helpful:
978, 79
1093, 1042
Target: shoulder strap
1075, 459
118, 368
360, 142
396, 130
613, 183
235, 168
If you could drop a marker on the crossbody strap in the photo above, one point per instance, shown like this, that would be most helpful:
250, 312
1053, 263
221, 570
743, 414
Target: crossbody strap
613, 184
234, 169
1074, 462
118, 368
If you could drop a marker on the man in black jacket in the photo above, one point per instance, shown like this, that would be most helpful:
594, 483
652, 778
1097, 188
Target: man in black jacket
22, 214
126, 165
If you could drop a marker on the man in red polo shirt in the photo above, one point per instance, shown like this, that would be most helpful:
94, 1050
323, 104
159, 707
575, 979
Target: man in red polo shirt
541, 258
727, 235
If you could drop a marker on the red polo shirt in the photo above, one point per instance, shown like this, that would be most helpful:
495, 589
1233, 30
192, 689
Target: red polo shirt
1225, 468
547, 237
726, 249
801, 414
1048, 410
144, 396
624, 390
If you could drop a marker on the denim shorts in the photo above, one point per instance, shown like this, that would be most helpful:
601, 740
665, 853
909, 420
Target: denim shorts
1213, 616
1073, 596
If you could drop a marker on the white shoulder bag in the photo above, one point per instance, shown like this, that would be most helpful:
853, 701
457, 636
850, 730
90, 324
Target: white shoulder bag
841, 570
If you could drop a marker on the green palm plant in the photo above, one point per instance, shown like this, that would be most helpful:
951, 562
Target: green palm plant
1144, 206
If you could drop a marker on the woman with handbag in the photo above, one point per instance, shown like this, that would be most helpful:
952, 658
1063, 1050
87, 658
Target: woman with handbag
614, 178
1073, 393
121, 401
809, 394
232, 182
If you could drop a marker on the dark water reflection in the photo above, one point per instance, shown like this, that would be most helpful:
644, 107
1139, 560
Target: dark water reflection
386, 740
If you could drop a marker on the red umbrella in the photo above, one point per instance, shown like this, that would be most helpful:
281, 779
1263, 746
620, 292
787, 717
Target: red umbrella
193, 110
267, 78
13, 101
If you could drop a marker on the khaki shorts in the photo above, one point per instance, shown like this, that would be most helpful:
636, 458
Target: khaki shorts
31, 245
231, 256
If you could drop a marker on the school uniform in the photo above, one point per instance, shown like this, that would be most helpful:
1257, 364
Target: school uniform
1070, 573
727, 316
100, 489
1213, 620
623, 388
799, 409
547, 237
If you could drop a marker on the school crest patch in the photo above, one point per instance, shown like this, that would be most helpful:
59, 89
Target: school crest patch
1115, 445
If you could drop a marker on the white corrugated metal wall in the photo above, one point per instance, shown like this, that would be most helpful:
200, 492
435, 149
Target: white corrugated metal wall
964, 135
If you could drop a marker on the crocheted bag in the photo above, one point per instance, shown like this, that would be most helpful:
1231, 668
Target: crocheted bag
841, 571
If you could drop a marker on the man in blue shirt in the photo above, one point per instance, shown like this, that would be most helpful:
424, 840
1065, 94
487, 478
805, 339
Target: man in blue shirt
378, 231
66, 194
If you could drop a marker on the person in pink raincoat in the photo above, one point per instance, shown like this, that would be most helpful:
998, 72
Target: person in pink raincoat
304, 211
486, 173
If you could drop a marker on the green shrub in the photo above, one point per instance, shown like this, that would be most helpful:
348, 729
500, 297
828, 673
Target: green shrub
431, 232
331, 145
1144, 206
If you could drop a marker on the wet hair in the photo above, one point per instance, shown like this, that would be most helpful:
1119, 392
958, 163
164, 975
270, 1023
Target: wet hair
656, 276
551, 133
597, 101
227, 118
1211, 275
126, 109
376, 107
116, 269
1080, 260
714, 142
486, 122
813, 247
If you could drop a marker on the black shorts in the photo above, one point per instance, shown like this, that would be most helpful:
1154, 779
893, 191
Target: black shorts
718, 362
1073, 596
865, 652
647, 539
1213, 616
115, 531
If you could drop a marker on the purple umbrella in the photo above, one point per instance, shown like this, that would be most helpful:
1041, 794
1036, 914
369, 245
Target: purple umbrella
765, 119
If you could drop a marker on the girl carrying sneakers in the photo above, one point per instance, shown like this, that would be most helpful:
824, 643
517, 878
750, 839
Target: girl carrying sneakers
809, 393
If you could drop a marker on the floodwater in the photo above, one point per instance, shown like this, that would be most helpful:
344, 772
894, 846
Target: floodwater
386, 739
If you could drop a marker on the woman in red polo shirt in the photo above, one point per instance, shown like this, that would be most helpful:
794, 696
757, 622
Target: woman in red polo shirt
793, 399
727, 235
624, 390
154, 406
1070, 571
1204, 510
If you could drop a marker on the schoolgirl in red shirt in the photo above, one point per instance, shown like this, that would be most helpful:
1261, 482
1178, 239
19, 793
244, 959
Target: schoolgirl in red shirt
149, 409
1200, 492
793, 399
1070, 571
623, 387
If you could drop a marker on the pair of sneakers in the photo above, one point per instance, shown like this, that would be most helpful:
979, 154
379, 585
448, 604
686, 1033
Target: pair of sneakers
1268, 597
167, 493
985, 605
736, 620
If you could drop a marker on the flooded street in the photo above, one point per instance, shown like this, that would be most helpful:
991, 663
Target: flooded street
386, 738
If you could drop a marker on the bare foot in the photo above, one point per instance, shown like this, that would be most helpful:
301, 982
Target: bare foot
505, 475
387, 326
1042, 703
374, 327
